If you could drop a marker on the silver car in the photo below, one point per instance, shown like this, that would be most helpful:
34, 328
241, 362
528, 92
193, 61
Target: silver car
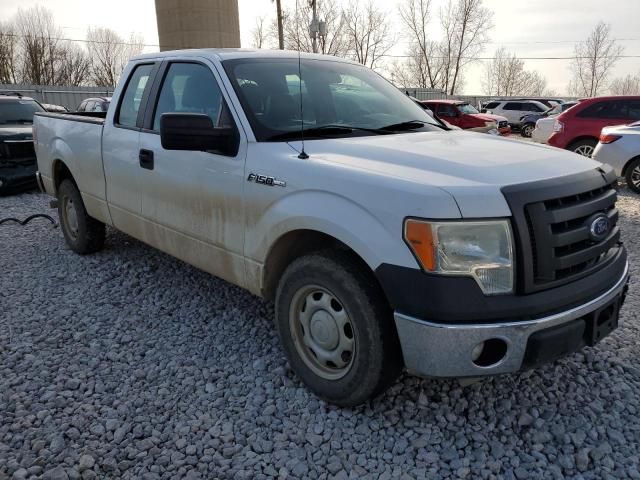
620, 147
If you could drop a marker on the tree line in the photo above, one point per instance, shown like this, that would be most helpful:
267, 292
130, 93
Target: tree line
441, 44
33, 50
360, 30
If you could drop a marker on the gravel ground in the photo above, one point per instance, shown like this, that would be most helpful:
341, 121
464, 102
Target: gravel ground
131, 364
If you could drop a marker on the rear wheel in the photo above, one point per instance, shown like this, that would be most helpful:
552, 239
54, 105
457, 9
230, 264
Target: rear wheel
336, 329
584, 147
82, 233
632, 175
527, 130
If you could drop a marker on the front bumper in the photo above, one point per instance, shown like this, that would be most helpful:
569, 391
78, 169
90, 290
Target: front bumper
446, 350
17, 178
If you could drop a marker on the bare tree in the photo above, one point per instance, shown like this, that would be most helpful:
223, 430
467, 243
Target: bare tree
8, 54
466, 24
74, 65
109, 54
38, 42
629, 85
369, 32
423, 68
505, 75
296, 29
440, 64
593, 61
260, 34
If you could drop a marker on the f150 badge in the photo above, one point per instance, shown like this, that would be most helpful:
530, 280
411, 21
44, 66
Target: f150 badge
266, 180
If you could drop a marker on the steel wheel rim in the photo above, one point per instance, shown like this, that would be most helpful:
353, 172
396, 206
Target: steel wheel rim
322, 332
635, 177
584, 150
70, 217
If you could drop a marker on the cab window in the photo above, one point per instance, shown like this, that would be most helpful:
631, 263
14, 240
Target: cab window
191, 88
132, 97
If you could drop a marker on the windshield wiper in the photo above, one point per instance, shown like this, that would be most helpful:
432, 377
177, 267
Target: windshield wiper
324, 130
408, 125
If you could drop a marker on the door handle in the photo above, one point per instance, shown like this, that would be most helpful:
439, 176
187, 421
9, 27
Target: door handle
146, 159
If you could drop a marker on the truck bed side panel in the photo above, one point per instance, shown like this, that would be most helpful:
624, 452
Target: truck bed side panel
77, 142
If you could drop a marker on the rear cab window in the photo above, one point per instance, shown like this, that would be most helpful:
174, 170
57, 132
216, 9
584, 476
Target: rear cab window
129, 108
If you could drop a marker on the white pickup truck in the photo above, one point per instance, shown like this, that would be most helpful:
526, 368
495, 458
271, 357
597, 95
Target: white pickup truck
385, 241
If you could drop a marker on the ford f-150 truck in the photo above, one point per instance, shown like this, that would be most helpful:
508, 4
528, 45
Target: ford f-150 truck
385, 240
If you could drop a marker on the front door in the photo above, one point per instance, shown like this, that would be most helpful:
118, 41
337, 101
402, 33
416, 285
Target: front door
120, 145
192, 201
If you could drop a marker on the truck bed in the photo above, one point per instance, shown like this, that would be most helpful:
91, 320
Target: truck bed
75, 141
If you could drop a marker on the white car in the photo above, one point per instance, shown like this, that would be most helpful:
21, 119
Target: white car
620, 147
514, 110
384, 240
544, 126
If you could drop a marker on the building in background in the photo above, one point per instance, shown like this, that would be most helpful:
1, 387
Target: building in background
198, 24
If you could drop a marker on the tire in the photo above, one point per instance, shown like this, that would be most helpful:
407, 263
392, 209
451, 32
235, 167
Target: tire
584, 147
527, 129
347, 320
632, 175
82, 233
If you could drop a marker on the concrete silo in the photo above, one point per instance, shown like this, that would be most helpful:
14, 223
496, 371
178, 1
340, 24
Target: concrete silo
198, 24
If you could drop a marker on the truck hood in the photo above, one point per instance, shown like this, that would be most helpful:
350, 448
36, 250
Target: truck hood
472, 167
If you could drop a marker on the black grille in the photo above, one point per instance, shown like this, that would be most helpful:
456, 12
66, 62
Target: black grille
552, 222
502, 123
18, 150
560, 236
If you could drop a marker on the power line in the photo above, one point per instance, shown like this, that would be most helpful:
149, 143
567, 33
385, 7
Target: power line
153, 45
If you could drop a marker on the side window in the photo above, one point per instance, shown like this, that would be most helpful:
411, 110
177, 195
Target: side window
491, 105
633, 107
191, 88
513, 106
446, 110
97, 107
132, 96
532, 107
610, 109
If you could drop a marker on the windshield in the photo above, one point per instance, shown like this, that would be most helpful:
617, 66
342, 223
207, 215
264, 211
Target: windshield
467, 108
338, 99
18, 111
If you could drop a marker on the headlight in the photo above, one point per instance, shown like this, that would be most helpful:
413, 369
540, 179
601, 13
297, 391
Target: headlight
490, 124
479, 249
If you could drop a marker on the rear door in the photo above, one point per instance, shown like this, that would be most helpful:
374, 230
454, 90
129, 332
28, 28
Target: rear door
513, 111
192, 201
602, 114
120, 147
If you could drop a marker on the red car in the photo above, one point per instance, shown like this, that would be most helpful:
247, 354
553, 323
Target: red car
578, 128
464, 115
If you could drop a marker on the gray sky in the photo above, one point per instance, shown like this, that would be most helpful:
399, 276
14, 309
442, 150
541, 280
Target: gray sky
534, 28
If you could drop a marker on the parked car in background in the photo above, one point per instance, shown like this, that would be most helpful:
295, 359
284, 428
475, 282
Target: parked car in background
97, 104
464, 115
18, 163
578, 129
529, 121
620, 148
49, 107
514, 110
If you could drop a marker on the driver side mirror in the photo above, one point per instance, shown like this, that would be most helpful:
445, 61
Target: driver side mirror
195, 132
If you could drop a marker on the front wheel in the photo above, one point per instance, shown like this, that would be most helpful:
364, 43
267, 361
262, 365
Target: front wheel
336, 329
527, 130
584, 147
83, 234
632, 175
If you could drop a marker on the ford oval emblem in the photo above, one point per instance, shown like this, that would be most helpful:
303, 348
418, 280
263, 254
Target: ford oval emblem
598, 227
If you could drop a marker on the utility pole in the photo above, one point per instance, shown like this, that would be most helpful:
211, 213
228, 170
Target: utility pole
280, 30
318, 28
